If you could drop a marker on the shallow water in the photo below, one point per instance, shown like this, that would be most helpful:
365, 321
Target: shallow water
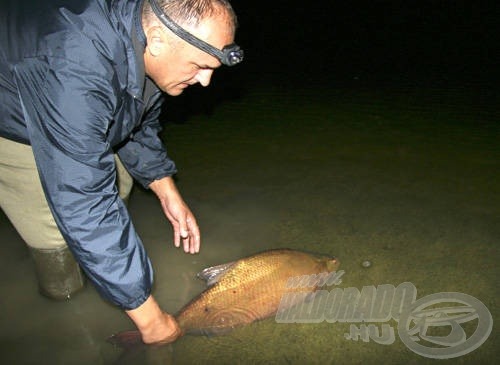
408, 179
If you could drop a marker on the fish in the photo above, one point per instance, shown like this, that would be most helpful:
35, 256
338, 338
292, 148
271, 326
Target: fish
244, 291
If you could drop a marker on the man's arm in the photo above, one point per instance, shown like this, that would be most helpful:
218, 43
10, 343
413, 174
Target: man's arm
67, 128
145, 158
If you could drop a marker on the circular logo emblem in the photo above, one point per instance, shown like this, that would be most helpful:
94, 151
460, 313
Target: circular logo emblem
416, 325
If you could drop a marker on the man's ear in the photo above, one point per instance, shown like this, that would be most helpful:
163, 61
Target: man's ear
155, 41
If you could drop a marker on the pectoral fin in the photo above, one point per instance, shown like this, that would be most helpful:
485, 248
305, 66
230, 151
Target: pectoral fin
213, 274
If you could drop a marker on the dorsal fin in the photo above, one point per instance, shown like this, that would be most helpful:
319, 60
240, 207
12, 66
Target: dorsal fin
213, 274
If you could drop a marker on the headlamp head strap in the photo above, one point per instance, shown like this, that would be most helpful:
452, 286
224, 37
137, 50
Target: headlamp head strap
230, 55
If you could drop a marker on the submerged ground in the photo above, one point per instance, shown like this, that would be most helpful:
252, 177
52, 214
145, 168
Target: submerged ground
406, 178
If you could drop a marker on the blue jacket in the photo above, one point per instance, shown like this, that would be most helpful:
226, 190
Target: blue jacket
73, 86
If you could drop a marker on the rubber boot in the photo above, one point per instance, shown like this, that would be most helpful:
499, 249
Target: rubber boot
59, 275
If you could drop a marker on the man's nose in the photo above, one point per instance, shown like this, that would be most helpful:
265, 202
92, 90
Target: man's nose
204, 76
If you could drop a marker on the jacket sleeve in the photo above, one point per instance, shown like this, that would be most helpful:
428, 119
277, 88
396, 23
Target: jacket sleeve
68, 110
144, 154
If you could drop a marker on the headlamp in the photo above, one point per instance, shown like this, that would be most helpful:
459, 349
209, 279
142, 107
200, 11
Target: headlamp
230, 55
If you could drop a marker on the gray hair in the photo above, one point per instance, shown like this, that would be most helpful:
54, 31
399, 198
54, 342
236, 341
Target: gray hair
191, 12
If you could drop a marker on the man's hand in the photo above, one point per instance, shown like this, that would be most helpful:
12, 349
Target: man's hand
178, 213
155, 326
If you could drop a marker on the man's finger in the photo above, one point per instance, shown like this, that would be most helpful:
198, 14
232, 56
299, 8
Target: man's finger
177, 238
186, 244
195, 235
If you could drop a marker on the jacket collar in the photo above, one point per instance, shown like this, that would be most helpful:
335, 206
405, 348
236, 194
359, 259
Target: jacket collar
129, 14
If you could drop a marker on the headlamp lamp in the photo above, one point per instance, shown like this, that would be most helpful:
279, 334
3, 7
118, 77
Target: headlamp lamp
230, 55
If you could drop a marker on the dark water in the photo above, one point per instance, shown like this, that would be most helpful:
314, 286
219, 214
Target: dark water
370, 132
407, 179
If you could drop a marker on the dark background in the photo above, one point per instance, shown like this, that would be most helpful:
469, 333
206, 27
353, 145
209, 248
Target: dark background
356, 44
324, 41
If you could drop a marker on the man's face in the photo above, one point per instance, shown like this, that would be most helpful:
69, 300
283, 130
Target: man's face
174, 64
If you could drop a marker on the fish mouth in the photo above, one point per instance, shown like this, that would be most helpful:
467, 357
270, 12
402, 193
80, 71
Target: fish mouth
333, 264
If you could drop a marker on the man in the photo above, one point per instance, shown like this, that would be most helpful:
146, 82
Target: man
80, 87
